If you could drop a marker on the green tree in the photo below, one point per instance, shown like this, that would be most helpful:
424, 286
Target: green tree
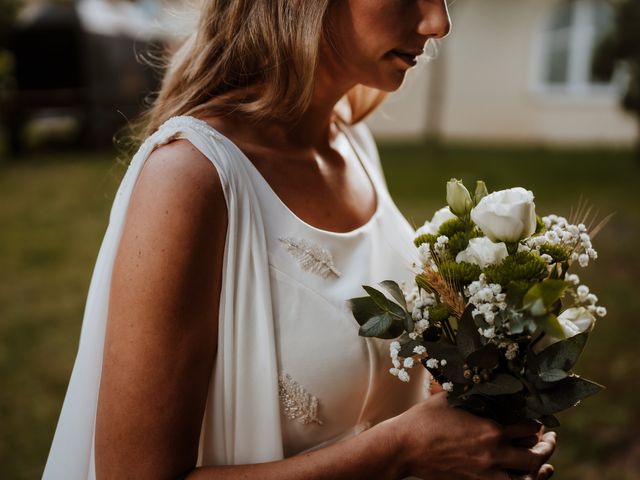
622, 46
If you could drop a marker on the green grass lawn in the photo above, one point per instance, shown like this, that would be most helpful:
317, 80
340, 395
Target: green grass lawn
54, 211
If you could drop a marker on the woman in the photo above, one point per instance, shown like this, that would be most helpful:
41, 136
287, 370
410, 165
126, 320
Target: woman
216, 342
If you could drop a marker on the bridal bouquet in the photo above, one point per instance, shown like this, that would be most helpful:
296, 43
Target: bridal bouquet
495, 315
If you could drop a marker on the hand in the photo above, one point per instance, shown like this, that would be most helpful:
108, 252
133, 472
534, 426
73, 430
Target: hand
544, 443
438, 442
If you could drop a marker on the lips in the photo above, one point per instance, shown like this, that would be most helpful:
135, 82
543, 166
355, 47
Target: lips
408, 58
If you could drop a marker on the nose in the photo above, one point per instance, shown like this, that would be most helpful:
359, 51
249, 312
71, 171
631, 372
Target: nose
434, 19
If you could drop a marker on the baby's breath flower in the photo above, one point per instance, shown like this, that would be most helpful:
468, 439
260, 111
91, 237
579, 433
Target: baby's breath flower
573, 278
408, 362
583, 259
601, 311
447, 386
419, 350
432, 363
403, 375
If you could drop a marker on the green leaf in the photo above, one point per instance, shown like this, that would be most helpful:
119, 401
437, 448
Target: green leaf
561, 355
376, 326
421, 281
408, 323
516, 290
385, 304
380, 298
553, 375
543, 295
550, 421
453, 370
395, 291
468, 339
406, 350
565, 394
486, 357
501, 384
550, 324
363, 308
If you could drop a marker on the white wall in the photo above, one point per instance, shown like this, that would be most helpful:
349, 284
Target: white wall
490, 93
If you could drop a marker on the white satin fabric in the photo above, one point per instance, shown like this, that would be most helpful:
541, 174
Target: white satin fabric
275, 318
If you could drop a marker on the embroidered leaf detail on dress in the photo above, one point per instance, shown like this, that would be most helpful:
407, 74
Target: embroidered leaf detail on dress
311, 257
297, 403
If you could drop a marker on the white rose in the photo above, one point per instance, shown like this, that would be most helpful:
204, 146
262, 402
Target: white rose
573, 321
506, 216
432, 227
482, 252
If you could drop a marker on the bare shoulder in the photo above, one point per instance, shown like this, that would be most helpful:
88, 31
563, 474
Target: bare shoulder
183, 170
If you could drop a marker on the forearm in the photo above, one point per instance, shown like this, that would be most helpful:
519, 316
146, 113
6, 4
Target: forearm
371, 455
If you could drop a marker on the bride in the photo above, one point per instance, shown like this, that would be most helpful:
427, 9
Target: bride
216, 341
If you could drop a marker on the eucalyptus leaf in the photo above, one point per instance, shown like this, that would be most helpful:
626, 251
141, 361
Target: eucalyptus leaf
550, 324
363, 308
408, 323
453, 370
376, 326
553, 375
550, 421
544, 293
385, 304
406, 350
395, 291
468, 339
565, 393
486, 357
380, 298
561, 355
501, 384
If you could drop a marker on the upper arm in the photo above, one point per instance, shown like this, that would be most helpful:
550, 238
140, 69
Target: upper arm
163, 315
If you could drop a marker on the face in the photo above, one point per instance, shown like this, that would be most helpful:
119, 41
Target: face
375, 42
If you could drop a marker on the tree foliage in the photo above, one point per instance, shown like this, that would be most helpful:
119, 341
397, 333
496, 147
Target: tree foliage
622, 46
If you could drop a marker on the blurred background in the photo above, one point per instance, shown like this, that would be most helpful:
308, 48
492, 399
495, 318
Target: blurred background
543, 94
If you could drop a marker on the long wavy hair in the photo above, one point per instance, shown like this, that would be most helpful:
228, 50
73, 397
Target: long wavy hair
255, 58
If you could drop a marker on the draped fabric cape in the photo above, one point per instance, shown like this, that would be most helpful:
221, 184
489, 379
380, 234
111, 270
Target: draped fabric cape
242, 417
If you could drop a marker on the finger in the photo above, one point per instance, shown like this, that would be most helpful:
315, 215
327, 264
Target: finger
546, 472
525, 442
522, 429
546, 446
525, 460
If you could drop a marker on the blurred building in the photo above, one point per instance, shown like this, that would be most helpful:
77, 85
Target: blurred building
77, 67
514, 71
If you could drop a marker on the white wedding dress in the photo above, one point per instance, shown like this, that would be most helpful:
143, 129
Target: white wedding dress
291, 372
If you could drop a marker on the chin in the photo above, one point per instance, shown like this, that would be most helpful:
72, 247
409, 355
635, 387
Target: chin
389, 81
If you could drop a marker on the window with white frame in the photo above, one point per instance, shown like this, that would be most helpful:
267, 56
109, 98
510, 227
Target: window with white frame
569, 37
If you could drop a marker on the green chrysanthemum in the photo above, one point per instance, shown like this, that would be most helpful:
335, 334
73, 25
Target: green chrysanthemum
451, 227
438, 313
457, 243
525, 266
459, 273
558, 254
425, 238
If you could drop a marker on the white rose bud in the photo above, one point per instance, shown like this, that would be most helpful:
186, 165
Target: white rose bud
482, 252
573, 321
458, 198
481, 191
506, 216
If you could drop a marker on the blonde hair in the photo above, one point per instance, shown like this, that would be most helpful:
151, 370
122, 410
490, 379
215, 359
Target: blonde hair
255, 58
